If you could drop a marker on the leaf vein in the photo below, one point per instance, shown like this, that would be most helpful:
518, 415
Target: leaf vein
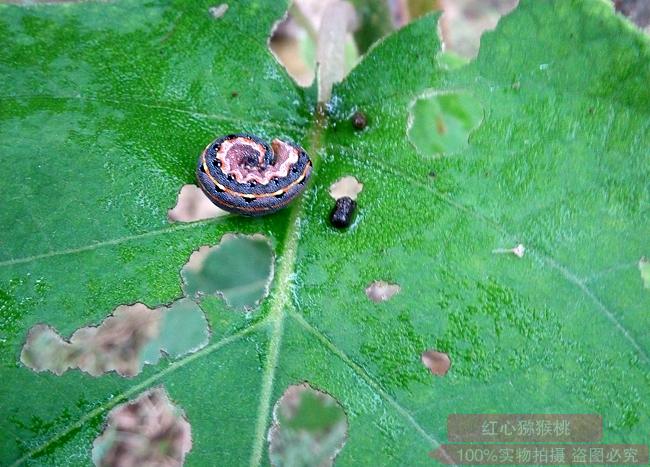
160, 106
123, 396
550, 262
112, 242
363, 374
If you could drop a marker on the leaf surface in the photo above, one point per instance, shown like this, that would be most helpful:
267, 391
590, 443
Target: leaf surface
105, 108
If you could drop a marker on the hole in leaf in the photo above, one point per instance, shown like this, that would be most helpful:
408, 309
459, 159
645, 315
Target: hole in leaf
218, 11
293, 43
440, 123
437, 362
314, 32
463, 23
309, 428
134, 335
193, 205
149, 430
448, 60
336, 51
644, 269
638, 11
380, 291
346, 186
239, 269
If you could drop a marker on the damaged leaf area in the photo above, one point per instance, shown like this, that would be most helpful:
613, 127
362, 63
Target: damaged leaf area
239, 269
381, 291
133, 336
540, 141
441, 123
192, 205
149, 430
346, 186
309, 428
437, 362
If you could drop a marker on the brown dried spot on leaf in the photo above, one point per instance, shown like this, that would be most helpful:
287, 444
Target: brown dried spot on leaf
131, 337
309, 428
437, 362
380, 291
149, 430
193, 205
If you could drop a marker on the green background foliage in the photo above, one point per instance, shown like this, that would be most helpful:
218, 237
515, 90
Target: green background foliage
105, 107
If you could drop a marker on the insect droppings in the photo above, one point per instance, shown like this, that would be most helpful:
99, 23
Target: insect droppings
359, 120
343, 213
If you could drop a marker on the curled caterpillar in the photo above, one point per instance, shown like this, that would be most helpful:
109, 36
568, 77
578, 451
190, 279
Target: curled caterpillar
244, 174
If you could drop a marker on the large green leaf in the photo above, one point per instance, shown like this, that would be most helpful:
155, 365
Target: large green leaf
105, 107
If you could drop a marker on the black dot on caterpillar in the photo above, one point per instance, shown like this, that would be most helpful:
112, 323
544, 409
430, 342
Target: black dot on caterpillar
244, 174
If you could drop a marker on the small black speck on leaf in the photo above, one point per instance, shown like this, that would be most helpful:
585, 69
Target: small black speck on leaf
343, 213
359, 120
432, 174
234, 94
